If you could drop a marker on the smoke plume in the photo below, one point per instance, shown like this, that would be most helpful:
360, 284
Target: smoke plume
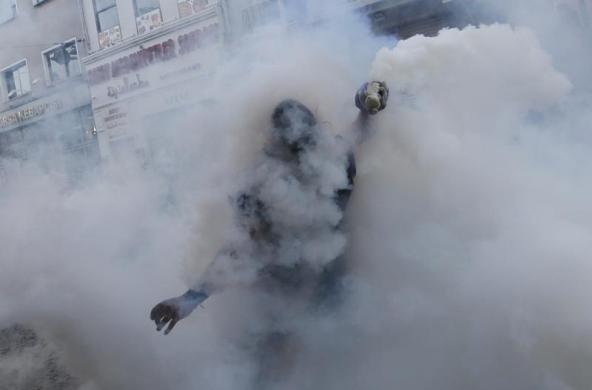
469, 230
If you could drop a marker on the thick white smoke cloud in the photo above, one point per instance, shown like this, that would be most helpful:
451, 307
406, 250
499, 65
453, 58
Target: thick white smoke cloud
486, 236
470, 229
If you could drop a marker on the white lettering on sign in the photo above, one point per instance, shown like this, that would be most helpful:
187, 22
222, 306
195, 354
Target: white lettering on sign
127, 87
159, 52
30, 113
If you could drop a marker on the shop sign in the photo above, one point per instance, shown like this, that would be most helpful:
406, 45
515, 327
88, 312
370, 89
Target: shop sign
127, 86
39, 109
115, 117
187, 56
160, 52
30, 112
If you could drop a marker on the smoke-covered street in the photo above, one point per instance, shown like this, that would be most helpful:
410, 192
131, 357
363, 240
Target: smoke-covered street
456, 255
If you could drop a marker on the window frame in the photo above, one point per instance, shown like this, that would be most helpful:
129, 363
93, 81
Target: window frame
97, 11
46, 69
258, 14
15, 6
193, 11
39, 2
15, 65
137, 15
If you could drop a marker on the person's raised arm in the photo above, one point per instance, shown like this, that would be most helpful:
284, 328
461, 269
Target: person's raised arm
370, 99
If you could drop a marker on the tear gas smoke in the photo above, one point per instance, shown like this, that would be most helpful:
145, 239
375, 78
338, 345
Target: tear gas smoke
470, 229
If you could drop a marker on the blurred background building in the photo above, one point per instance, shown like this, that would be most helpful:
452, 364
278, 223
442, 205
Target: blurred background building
405, 18
83, 81
147, 60
149, 57
141, 59
45, 110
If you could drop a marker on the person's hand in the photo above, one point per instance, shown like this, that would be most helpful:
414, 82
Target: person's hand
372, 97
166, 312
175, 309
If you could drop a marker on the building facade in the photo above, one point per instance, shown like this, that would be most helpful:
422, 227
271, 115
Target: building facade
402, 18
148, 58
145, 58
405, 18
45, 110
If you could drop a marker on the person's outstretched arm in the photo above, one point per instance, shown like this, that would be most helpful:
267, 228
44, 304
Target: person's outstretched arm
370, 99
230, 268
173, 310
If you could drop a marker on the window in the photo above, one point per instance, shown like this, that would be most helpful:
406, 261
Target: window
38, 2
190, 7
61, 62
7, 10
16, 80
144, 6
107, 20
106, 14
148, 15
260, 14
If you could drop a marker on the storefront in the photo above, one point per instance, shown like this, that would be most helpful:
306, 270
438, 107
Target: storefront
54, 131
155, 75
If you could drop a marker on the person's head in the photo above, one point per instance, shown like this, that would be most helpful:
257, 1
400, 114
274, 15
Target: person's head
294, 126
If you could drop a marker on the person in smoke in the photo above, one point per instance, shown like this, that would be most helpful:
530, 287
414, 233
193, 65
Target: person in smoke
288, 241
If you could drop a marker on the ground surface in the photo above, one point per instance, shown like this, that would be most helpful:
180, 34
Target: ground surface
27, 362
